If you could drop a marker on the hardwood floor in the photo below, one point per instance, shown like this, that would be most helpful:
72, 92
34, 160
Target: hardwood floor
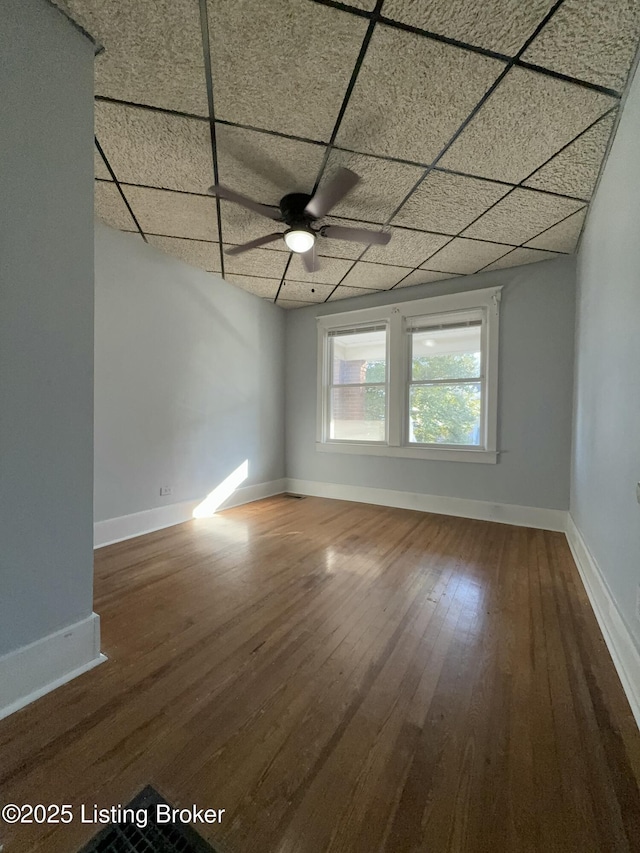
341, 677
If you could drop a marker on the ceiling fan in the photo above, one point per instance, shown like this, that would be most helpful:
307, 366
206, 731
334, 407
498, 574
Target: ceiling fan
300, 211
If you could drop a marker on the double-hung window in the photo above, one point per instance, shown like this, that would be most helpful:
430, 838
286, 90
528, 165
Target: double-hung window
416, 379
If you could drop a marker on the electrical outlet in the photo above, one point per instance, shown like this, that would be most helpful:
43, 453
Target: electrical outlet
166, 490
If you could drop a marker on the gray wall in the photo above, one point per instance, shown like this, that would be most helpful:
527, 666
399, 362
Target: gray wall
606, 451
46, 322
536, 376
189, 379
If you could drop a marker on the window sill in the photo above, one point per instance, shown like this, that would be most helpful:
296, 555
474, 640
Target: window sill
445, 454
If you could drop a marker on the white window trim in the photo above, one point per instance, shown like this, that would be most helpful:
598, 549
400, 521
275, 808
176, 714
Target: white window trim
396, 315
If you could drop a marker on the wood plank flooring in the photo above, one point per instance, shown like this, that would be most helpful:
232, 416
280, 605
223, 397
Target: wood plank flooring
341, 677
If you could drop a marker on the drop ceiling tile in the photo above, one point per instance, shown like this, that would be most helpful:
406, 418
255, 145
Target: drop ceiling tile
375, 276
153, 51
525, 121
330, 272
99, 168
407, 247
500, 25
240, 225
282, 66
562, 237
574, 170
447, 203
258, 262
147, 147
197, 253
288, 304
519, 257
412, 94
305, 291
342, 292
110, 208
594, 41
173, 214
382, 188
366, 5
266, 287
423, 277
266, 167
520, 216
465, 256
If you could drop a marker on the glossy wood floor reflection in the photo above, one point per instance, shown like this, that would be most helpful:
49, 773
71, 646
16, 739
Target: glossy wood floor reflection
341, 677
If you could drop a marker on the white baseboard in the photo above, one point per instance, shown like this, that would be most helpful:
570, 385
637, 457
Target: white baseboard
138, 523
522, 516
28, 673
622, 648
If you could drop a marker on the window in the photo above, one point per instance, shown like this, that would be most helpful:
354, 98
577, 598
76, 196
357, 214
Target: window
415, 379
357, 398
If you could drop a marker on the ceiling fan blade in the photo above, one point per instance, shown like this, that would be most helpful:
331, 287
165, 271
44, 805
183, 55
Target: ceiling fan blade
253, 244
332, 192
231, 195
310, 260
356, 235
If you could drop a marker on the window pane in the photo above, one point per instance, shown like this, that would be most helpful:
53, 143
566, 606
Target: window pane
359, 357
445, 414
452, 353
357, 414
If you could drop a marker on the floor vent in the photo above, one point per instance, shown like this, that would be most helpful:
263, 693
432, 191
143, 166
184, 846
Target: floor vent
294, 497
146, 835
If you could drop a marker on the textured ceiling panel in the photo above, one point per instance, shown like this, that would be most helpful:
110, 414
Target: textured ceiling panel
173, 214
99, 168
423, 277
563, 236
383, 186
258, 262
574, 170
447, 203
343, 292
520, 216
519, 257
110, 208
146, 147
594, 41
152, 51
367, 5
205, 256
263, 166
500, 25
412, 94
330, 272
522, 124
282, 66
240, 225
305, 291
376, 276
267, 287
407, 248
466, 256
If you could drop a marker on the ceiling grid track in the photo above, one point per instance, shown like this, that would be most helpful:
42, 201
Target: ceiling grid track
206, 52
115, 180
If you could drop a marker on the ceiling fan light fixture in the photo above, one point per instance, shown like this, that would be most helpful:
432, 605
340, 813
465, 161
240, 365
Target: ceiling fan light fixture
299, 239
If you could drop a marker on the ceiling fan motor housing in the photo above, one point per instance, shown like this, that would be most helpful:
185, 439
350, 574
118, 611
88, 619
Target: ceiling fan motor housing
292, 207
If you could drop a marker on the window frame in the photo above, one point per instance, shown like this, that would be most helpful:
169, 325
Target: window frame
398, 316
